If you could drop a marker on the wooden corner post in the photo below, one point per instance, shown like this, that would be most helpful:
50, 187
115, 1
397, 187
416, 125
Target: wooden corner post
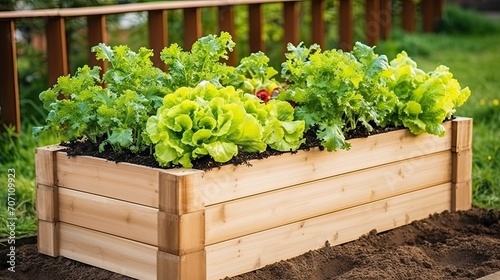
461, 180
9, 97
181, 226
47, 200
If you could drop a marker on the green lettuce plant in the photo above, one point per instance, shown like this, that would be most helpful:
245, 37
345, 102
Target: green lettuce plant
111, 108
338, 91
204, 62
425, 100
219, 122
201, 107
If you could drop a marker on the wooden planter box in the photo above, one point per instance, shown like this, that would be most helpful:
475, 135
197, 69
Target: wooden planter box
154, 223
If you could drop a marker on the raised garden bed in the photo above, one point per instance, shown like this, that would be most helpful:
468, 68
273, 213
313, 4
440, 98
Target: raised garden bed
153, 223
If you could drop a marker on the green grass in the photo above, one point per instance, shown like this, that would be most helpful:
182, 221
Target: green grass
17, 153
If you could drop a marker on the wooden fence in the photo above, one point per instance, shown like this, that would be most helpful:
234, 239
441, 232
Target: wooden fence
378, 24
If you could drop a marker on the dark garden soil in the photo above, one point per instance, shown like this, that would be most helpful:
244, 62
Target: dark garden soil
88, 148
463, 245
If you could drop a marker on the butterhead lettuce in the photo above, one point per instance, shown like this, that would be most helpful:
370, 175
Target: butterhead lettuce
219, 122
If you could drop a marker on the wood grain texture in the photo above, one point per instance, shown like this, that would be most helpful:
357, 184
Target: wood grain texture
232, 182
461, 177
45, 164
120, 218
222, 222
254, 251
109, 252
244, 216
462, 134
461, 196
128, 182
48, 238
179, 191
181, 234
47, 203
187, 267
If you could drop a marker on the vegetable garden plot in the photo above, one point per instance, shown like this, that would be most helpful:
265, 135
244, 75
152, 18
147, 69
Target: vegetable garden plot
184, 223
189, 224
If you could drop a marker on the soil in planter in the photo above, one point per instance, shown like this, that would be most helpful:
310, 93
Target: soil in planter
463, 245
87, 148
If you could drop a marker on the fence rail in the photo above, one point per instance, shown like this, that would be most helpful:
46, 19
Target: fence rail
378, 24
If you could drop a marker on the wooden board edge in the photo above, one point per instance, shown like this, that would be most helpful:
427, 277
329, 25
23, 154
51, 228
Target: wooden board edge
179, 191
120, 255
181, 234
124, 181
47, 203
461, 134
116, 217
45, 164
461, 196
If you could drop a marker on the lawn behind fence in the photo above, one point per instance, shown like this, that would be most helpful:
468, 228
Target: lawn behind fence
473, 56
475, 62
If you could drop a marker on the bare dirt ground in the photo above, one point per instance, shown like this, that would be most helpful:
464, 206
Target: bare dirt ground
463, 245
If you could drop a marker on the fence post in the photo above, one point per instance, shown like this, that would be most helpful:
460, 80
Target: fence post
255, 28
9, 96
346, 27
372, 21
226, 23
96, 30
428, 15
385, 18
291, 26
318, 22
57, 56
192, 26
438, 9
432, 12
158, 35
408, 15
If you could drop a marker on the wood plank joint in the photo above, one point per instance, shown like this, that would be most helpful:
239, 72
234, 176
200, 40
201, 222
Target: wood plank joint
179, 191
462, 134
186, 267
181, 234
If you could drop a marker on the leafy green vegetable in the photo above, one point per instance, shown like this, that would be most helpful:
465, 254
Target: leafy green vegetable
254, 74
205, 63
219, 122
71, 105
379, 101
202, 63
425, 100
80, 107
324, 85
281, 131
336, 92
